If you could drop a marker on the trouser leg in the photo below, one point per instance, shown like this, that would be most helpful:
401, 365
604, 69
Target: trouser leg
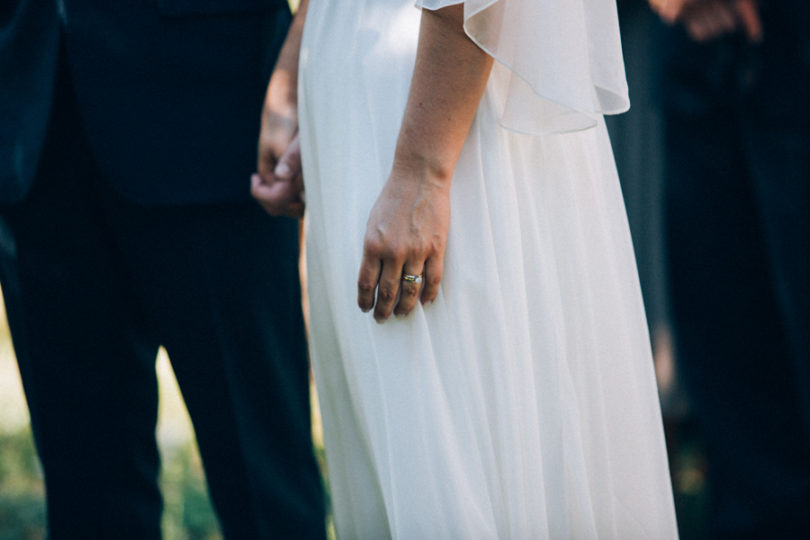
732, 347
780, 169
86, 356
221, 283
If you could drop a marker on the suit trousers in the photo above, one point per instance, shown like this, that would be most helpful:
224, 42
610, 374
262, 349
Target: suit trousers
738, 216
94, 284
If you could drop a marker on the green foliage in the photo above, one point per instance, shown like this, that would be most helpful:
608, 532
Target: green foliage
22, 506
188, 514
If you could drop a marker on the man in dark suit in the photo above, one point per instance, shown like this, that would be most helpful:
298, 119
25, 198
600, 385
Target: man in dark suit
735, 94
128, 131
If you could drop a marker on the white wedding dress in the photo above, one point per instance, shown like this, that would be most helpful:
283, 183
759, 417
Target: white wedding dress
522, 403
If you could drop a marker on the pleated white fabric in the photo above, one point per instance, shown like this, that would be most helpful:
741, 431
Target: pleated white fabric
522, 403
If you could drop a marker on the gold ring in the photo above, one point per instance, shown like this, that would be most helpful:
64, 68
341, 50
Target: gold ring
410, 278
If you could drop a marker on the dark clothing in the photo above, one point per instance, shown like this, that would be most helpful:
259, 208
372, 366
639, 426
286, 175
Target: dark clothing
159, 106
170, 91
636, 137
738, 217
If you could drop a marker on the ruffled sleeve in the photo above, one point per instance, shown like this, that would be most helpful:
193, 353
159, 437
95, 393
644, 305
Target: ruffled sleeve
558, 63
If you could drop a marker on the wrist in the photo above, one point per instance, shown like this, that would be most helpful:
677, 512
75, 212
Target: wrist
423, 168
282, 96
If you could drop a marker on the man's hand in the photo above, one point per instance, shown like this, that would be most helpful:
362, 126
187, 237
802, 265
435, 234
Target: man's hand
279, 186
706, 20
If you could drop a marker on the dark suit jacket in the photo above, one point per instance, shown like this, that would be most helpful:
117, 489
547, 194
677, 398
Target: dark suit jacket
170, 91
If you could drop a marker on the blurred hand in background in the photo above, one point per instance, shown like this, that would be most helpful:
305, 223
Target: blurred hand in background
706, 20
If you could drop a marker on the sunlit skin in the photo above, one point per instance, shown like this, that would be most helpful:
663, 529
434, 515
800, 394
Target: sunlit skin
706, 20
408, 226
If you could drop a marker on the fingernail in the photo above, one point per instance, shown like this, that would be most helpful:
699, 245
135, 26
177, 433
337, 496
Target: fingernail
282, 170
427, 303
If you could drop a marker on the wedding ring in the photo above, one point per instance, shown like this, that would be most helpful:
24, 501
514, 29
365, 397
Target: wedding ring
410, 278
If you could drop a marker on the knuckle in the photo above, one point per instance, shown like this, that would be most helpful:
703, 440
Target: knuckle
434, 281
416, 249
437, 243
372, 245
396, 252
410, 291
386, 294
365, 287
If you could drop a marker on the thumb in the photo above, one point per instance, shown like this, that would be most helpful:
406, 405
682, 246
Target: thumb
289, 164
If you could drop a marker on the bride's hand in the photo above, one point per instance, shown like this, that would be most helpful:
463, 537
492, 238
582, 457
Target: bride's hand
407, 229
406, 234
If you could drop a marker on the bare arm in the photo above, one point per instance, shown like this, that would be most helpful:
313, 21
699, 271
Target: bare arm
278, 184
408, 226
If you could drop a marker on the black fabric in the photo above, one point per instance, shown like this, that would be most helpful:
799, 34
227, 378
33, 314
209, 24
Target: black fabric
738, 216
164, 87
94, 282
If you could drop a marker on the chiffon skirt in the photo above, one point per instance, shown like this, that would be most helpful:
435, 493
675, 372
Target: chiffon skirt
521, 403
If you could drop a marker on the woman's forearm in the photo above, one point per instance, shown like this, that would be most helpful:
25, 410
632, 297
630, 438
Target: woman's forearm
407, 230
449, 79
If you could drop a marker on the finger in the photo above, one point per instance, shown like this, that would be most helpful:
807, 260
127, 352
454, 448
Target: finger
265, 195
696, 26
749, 17
367, 281
432, 278
719, 18
289, 164
409, 290
260, 190
723, 19
277, 198
712, 21
670, 10
726, 18
267, 158
387, 289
